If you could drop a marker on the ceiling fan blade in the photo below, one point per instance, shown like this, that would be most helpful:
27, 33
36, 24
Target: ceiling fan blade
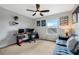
44, 11
30, 10
34, 14
37, 6
41, 14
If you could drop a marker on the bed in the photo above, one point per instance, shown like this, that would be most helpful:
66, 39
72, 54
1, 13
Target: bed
66, 46
61, 48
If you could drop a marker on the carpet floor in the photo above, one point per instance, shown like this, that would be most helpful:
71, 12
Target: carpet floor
41, 47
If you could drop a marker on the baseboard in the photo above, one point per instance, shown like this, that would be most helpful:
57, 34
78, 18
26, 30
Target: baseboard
47, 40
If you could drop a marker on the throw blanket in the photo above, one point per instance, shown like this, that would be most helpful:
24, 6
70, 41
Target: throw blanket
61, 48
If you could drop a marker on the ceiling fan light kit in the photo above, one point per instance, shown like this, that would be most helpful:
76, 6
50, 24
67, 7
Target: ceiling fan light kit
38, 11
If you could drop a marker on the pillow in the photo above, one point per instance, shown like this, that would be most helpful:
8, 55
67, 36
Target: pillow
71, 44
26, 37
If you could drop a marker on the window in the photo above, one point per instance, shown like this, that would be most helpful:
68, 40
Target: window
52, 26
53, 22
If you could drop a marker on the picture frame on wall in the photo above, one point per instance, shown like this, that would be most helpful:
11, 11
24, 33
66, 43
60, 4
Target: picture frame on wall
64, 20
75, 18
38, 23
43, 22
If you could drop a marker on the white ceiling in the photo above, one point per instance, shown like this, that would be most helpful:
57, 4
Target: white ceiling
54, 8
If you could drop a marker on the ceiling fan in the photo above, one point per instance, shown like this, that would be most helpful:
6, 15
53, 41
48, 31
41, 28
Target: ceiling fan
37, 10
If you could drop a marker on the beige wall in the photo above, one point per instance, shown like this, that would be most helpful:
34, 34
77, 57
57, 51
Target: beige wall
6, 16
43, 30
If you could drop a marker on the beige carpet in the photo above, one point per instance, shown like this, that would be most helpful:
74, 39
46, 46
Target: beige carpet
41, 47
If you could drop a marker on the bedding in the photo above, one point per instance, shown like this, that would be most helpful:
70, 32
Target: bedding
61, 48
